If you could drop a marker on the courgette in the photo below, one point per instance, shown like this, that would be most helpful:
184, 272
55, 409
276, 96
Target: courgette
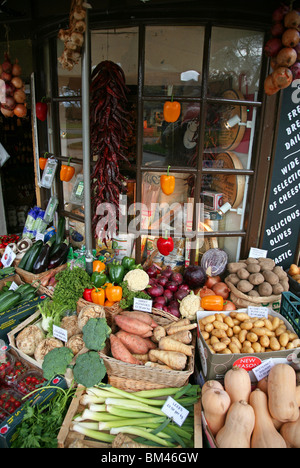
28, 297
60, 233
25, 289
35, 250
9, 300
25, 258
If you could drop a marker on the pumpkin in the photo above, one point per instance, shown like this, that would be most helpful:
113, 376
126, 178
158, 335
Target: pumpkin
237, 384
291, 433
215, 403
238, 428
283, 404
264, 433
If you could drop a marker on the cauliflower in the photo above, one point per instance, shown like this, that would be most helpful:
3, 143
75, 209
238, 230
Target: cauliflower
137, 280
190, 305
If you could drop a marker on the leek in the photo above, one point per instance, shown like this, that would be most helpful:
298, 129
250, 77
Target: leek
125, 404
104, 426
121, 412
142, 433
94, 434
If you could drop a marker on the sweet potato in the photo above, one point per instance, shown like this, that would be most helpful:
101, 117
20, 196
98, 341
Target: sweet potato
134, 343
120, 352
142, 316
132, 325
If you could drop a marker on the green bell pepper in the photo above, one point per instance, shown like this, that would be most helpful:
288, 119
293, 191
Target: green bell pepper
99, 279
128, 263
116, 272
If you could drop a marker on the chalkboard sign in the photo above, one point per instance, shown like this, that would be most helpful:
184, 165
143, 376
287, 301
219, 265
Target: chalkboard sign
283, 216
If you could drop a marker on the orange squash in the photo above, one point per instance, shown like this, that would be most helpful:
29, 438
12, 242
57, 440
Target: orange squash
264, 434
238, 428
283, 404
237, 384
215, 405
211, 384
291, 433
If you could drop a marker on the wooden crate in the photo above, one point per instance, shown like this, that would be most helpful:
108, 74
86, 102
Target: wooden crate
66, 436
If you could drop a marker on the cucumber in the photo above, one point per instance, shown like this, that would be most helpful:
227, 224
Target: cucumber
9, 300
25, 258
35, 250
25, 289
60, 233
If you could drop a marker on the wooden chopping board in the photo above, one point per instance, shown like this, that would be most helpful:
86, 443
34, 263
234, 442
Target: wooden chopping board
232, 186
230, 138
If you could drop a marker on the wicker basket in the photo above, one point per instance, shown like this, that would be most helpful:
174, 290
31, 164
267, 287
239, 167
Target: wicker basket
145, 375
110, 312
131, 385
29, 277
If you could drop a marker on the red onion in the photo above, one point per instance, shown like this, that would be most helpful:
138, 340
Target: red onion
162, 280
177, 278
152, 271
9, 88
295, 69
273, 46
168, 294
155, 291
9, 103
5, 76
172, 286
180, 294
184, 287
167, 272
7, 65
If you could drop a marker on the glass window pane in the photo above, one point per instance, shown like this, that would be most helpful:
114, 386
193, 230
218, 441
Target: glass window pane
235, 60
173, 60
70, 129
69, 81
121, 47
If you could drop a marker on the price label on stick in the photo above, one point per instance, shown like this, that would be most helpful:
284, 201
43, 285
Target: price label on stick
175, 411
258, 312
60, 333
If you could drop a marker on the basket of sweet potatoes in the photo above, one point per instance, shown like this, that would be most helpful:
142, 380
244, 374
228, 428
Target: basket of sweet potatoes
151, 348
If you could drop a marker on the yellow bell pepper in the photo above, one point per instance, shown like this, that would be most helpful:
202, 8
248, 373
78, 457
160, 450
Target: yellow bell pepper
98, 266
114, 293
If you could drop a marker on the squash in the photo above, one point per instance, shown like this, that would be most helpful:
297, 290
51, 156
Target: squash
282, 403
291, 433
211, 384
263, 385
238, 428
298, 395
237, 384
215, 403
264, 434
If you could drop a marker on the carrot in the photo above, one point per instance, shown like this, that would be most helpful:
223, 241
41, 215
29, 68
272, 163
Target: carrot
142, 316
168, 344
173, 359
185, 336
134, 343
132, 325
175, 329
120, 352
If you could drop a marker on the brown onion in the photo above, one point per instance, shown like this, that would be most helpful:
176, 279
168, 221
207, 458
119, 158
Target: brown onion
16, 69
286, 57
211, 280
290, 37
7, 65
269, 86
221, 289
5, 76
228, 305
282, 77
7, 112
292, 19
205, 291
17, 82
9, 88
20, 96
20, 110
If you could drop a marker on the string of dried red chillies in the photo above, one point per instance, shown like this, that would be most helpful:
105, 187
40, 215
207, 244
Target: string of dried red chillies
110, 124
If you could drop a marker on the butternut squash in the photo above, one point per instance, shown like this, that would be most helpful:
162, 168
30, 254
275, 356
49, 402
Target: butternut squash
298, 395
237, 384
282, 403
211, 384
215, 403
238, 428
264, 434
263, 385
291, 433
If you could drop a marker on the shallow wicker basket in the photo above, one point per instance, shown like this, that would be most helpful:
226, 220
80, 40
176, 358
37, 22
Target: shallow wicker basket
110, 312
145, 378
29, 277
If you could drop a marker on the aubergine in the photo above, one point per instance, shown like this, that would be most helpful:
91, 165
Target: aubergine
41, 263
60, 256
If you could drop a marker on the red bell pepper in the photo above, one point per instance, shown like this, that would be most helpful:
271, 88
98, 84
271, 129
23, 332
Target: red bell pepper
165, 245
41, 109
87, 294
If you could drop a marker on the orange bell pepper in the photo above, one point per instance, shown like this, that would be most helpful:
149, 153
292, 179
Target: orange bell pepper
43, 161
212, 303
98, 296
172, 111
114, 293
67, 172
167, 183
98, 266
107, 303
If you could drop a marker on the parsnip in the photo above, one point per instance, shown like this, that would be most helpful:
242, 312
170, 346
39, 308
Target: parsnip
158, 333
174, 329
156, 364
184, 336
173, 359
168, 344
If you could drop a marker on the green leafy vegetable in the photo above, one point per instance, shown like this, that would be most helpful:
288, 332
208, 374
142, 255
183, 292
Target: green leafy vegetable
128, 296
95, 333
52, 314
56, 362
89, 369
70, 286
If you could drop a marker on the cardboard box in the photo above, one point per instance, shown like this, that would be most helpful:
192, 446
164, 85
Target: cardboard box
43, 396
215, 366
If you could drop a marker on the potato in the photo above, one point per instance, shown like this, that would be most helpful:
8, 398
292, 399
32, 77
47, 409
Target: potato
259, 331
268, 324
279, 271
243, 273
264, 341
267, 263
236, 341
253, 293
256, 279
252, 337
281, 329
275, 323
234, 348
244, 286
265, 289
277, 289
219, 333
228, 320
270, 277
242, 316
233, 267
208, 319
247, 325
247, 350
274, 344
220, 325
284, 339
257, 347
285, 285
242, 336
218, 347
226, 351
233, 278
236, 329
253, 268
